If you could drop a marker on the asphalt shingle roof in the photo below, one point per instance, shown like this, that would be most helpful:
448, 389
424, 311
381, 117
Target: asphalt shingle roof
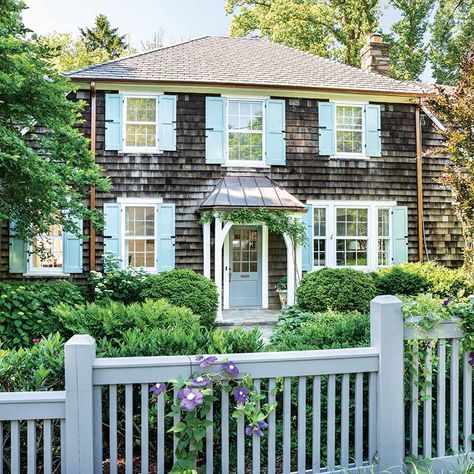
241, 61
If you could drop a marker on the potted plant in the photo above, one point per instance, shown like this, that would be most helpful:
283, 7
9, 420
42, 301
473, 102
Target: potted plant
282, 290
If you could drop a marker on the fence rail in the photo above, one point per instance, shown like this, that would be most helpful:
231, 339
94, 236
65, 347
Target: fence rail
337, 410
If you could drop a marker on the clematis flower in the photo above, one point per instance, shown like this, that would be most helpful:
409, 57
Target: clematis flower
205, 361
200, 381
230, 369
256, 428
190, 398
471, 358
241, 395
447, 301
158, 388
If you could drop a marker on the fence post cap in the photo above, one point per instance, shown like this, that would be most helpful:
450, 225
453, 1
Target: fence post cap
81, 340
386, 300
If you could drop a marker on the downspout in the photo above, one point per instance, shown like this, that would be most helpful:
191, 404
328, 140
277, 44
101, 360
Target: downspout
419, 183
92, 192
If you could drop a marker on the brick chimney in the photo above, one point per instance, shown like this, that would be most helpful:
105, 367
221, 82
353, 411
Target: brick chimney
375, 55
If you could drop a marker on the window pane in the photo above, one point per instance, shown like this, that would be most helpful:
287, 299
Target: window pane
140, 253
140, 135
139, 221
140, 109
51, 247
349, 117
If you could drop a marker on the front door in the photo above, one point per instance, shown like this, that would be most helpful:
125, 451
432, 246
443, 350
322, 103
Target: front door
245, 267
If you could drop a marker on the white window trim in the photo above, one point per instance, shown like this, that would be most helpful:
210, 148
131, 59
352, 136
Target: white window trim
32, 271
130, 202
372, 231
244, 163
139, 149
355, 156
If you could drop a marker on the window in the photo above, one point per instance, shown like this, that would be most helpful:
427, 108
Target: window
50, 259
245, 130
141, 118
349, 129
351, 237
140, 236
352, 234
319, 236
383, 237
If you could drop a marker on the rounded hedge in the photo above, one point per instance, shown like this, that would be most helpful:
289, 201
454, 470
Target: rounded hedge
341, 289
185, 288
397, 281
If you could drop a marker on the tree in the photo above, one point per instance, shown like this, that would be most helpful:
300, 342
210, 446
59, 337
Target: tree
103, 37
70, 54
408, 48
334, 29
452, 35
44, 180
454, 107
155, 43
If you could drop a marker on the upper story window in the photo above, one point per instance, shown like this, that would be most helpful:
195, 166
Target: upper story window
141, 122
349, 129
50, 259
245, 130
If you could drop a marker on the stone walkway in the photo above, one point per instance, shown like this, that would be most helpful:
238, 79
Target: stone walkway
248, 318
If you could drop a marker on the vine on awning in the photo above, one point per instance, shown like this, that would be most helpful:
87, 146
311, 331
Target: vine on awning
279, 222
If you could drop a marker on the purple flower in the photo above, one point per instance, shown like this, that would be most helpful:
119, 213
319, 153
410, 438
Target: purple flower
205, 361
35, 340
200, 381
158, 388
230, 369
190, 398
471, 358
447, 301
256, 428
241, 395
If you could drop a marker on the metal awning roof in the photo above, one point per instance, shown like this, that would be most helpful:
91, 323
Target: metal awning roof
250, 192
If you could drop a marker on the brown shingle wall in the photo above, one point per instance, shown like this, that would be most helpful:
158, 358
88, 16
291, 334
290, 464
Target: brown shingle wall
183, 177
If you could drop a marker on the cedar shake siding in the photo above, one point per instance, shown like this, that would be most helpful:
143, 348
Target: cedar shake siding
182, 177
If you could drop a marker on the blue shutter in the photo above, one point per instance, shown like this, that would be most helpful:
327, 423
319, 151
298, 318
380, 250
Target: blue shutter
167, 122
113, 121
165, 237
308, 248
72, 248
399, 234
275, 132
112, 229
326, 117
372, 130
17, 254
215, 129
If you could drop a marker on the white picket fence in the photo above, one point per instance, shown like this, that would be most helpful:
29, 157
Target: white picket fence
338, 410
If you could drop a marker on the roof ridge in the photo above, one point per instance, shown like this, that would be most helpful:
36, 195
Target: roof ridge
142, 53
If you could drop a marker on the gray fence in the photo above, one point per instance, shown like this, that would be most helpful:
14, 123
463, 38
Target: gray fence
338, 410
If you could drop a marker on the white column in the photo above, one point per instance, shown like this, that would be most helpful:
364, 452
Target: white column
290, 269
299, 258
206, 232
226, 271
264, 266
218, 263
386, 334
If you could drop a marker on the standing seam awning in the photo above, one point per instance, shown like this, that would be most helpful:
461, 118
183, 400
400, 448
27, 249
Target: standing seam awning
250, 192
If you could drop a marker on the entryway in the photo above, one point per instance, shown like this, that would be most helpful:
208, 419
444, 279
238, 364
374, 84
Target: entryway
245, 279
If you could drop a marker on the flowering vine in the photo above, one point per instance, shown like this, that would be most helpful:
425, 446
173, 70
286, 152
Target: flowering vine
194, 401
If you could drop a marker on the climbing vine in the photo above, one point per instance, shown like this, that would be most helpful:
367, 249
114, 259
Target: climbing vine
279, 222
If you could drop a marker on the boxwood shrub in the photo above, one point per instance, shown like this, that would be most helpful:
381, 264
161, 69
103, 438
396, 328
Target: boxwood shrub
397, 281
185, 288
25, 309
342, 289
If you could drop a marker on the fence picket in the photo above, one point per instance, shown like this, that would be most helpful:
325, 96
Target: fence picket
129, 428
15, 447
414, 380
301, 425
176, 420
316, 448
31, 446
241, 445
210, 440
225, 432
160, 435
359, 419
144, 428
98, 450
372, 416
287, 425
255, 438
428, 406
441, 400
48, 446
345, 421
467, 403
331, 420
62, 434
271, 428
113, 428
454, 397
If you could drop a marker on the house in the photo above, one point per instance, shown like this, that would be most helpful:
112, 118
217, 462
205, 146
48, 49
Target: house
218, 124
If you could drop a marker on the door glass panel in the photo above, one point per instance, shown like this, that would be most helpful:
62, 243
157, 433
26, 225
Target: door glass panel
245, 255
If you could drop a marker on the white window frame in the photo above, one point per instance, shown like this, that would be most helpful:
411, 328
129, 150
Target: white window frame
363, 154
372, 231
325, 237
126, 202
31, 270
245, 163
139, 149
390, 243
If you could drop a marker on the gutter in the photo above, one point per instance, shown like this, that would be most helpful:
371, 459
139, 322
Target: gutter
419, 183
92, 260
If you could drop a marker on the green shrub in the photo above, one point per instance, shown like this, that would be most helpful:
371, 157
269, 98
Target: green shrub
290, 318
396, 281
342, 289
235, 341
185, 288
25, 309
112, 319
328, 330
440, 281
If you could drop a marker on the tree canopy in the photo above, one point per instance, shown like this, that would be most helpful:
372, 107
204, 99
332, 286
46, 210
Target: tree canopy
46, 180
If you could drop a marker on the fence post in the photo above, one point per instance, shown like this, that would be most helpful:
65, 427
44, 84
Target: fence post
79, 354
386, 333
